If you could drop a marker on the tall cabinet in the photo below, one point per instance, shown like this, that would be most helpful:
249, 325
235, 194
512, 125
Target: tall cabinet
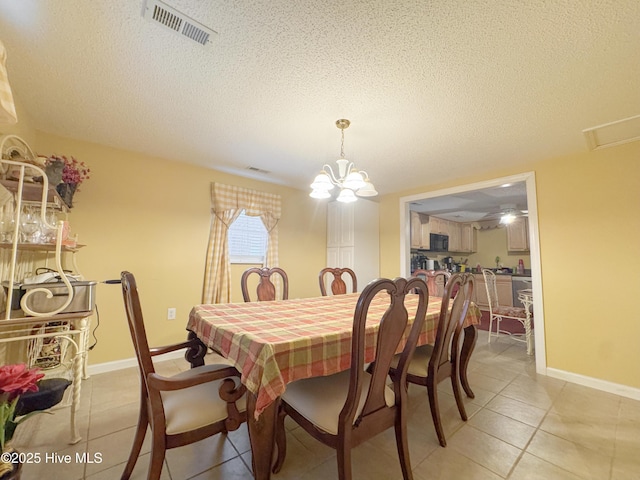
353, 238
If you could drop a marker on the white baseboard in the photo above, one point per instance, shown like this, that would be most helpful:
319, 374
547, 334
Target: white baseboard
126, 363
605, 386
609, 387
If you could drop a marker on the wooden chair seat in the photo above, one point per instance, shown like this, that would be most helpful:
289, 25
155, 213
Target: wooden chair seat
419, 361
320, 399
192, 408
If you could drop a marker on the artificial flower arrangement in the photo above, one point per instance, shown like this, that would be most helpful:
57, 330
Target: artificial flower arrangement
14, 381
66, 174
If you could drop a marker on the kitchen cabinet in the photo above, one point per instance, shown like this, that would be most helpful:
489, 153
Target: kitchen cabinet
419, 230
353, 238
503, 286
438, 225
462, 236
518, 235
468, 238
454, 230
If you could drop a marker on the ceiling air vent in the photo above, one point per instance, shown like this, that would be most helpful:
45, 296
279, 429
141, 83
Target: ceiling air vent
614, 133
169, 17
257, 170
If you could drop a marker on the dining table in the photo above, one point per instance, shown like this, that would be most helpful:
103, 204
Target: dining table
278, 342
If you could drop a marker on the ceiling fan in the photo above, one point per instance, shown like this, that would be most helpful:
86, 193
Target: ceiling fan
507, 214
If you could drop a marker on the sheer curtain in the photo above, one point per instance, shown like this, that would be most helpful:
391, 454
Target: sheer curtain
7, 107
227, 202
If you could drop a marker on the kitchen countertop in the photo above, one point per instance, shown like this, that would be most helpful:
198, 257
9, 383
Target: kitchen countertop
527, 274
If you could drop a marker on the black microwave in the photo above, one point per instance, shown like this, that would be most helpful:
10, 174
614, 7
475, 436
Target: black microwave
438, 243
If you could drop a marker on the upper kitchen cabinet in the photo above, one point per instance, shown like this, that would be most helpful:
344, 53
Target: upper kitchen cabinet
420, 230
455, 232
468, 238
518, 235
462, 237
438, 225
353, 238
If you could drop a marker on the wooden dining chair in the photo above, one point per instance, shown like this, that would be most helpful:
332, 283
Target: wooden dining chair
265, 290
338, 285
345, 409
181, 409
431, 364
436, 280
498, 312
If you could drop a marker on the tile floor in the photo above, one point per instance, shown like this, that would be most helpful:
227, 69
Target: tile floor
521, 426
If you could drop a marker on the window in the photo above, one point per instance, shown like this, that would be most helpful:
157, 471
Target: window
247, 240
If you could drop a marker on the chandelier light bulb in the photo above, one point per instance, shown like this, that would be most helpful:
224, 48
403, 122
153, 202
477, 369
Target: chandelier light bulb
346, 196
322, 182
368, 190
320, 194
354, 181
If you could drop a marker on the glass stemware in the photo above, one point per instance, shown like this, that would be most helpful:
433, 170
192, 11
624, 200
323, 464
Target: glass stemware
29, 225
48, 229
7, 226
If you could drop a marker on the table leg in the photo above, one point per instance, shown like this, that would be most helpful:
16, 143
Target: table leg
468, 344
195, 355
261, 436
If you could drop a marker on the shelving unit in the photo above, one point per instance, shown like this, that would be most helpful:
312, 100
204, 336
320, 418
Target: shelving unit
51, 338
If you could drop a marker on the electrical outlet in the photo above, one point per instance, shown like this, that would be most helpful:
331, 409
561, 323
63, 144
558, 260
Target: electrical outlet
171, 313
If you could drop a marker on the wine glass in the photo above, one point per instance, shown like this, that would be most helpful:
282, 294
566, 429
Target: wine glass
30, 225
7, 226
49, 228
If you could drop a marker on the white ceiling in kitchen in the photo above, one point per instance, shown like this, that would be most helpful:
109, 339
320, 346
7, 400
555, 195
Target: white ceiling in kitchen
435, 90
476, 205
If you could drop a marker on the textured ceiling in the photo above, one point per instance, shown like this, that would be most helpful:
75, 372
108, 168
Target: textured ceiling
476, 205
434, 90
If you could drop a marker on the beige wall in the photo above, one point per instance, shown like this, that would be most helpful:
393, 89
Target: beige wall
492, 243
22, 128
152, 217
587, 204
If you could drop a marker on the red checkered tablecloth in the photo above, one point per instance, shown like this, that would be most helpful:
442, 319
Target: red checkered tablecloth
275, 343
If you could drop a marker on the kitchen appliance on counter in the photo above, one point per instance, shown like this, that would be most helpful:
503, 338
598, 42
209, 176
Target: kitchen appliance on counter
448, 263
422, 262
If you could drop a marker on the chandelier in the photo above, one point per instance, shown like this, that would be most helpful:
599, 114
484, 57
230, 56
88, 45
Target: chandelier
350, 181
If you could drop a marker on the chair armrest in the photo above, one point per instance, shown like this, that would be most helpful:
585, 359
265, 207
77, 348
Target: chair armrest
176, 346
164, 384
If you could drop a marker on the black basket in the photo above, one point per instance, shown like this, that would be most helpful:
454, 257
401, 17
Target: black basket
50, 393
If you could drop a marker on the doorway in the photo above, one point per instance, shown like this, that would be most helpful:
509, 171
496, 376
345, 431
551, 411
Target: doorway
534, 244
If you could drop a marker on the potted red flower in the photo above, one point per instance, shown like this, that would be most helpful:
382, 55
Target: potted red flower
15, 380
